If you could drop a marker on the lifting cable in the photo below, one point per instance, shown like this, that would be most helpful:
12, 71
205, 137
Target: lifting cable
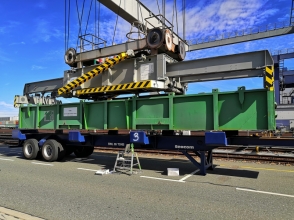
176, 9
95, 20
89, 16
143, 25
158, 6
116, 22
163, 11
65, 5
184, 17
68, 25
99, 22
80, 19
173, 16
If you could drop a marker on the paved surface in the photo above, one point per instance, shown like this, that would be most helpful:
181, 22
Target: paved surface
70, 189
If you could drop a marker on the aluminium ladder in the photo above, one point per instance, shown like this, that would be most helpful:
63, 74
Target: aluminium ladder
125, 159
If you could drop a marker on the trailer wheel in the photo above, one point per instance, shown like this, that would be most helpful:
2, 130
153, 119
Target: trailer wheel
83, 151
61, 152
50, 150
30, 149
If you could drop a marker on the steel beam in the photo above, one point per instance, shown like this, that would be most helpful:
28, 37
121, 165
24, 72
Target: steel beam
250, 37
45, 86
112, 50
135, 11
241, 65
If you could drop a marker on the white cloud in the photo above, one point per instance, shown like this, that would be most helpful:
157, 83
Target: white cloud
45, 31
4, 57
6, 105
18, 43
35, 67
7, 110
8, 26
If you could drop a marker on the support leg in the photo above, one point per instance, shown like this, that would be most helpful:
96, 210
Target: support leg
203, 163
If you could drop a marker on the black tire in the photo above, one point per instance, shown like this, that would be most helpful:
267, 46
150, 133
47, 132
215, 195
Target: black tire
83, 151
30, 149
61, 152
50, 150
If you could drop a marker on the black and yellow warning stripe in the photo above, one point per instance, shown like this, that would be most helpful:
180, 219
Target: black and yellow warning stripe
116, 88
16, 105
269, 78
91, 74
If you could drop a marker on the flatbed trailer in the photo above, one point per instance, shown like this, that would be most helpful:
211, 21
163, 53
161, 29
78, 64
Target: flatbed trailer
162, 122
55, 144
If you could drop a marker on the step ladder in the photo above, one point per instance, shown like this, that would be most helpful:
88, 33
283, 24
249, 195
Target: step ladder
125, 159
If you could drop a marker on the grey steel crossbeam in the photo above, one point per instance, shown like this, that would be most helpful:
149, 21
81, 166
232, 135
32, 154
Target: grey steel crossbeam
112, 50
245, 38
45, 86
240, 65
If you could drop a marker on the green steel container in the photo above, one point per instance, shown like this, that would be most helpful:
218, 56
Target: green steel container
238, 110
65, 116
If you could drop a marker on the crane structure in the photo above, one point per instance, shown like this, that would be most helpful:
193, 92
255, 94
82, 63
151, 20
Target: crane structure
158, 58
165, 118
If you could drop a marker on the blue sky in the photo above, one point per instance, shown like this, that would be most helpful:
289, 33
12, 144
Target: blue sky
32, 38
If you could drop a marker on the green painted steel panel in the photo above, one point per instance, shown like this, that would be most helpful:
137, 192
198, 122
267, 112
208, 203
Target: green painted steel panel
193, 112
250, 115
70, 116
237, 110
27, 117
47, 117
116, 115
66, 116
94, 114
151, 113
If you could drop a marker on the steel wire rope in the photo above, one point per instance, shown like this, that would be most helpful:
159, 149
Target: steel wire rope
99, 22
173, 17
68, 21
80, 19
158, 6
140, 9
184, 17
88, 17
116, 22
177, 18
95, 26
65, 5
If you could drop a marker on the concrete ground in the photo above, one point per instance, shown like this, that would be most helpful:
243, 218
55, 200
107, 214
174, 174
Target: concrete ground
69, 189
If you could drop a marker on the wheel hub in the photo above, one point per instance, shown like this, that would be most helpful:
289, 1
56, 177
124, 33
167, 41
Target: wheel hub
48, 150
29, 149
